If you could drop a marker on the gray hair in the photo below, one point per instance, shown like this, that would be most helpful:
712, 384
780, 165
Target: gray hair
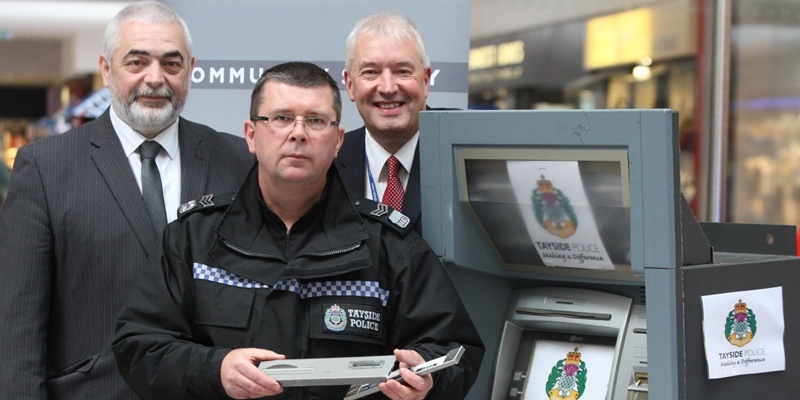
385, 25
300, 74
148, 12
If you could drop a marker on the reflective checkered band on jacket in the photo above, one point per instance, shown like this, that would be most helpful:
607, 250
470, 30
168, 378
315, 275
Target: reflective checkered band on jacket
334, 288
304, 290
219, 275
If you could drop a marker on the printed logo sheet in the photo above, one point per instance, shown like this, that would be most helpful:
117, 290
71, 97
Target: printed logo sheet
557, 214
743, 332
561, 370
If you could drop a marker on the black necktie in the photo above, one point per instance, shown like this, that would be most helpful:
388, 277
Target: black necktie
151, 185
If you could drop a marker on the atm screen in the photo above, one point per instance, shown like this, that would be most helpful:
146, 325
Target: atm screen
550, 206
565, 366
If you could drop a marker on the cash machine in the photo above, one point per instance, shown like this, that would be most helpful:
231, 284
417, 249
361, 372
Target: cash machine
566, 234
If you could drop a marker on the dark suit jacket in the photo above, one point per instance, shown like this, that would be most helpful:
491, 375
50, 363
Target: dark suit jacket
350, 163
73, 234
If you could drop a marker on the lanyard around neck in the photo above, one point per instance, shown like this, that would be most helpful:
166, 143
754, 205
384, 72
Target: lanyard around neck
373, 188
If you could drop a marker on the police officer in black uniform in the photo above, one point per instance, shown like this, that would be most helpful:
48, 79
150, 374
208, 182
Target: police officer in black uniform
291, 267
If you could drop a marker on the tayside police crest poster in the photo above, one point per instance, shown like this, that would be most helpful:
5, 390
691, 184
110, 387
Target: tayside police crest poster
557, 214
743, 332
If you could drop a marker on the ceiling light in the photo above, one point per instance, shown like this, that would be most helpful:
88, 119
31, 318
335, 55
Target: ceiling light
641, 73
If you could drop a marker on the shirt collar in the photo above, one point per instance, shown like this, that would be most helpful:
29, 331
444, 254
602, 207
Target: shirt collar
377, 155
130, 139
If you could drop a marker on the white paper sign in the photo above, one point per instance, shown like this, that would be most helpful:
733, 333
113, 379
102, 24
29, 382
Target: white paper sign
549, 367
557, 214
743, 332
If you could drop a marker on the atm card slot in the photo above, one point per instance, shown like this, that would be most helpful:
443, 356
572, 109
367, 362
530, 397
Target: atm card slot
563, 314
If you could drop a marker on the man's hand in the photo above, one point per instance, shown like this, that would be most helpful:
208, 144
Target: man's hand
415, 387
241, 377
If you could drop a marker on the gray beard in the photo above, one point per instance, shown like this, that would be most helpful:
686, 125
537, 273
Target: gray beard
148, 121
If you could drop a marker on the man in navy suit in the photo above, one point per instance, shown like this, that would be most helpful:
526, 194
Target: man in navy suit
387, 74
75, 229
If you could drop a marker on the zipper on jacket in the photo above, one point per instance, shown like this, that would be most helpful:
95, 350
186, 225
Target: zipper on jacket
333, 252
249, 253
304, 336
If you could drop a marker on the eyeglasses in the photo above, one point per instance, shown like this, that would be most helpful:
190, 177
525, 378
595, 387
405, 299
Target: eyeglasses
284, 123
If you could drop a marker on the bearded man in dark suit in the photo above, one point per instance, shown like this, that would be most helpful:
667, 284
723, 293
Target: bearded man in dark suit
75, 229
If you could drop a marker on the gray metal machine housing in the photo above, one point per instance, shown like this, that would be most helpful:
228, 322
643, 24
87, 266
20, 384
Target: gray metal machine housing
672, 261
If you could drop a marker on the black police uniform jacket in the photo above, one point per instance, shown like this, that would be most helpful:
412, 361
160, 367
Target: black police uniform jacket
341, 283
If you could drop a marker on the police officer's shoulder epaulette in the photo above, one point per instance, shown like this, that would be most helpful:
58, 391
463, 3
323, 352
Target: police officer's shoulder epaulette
385, 214
206, 202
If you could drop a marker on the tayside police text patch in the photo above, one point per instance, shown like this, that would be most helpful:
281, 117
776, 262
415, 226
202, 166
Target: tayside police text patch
353, 319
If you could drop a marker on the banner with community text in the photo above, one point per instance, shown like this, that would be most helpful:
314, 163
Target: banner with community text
247, 37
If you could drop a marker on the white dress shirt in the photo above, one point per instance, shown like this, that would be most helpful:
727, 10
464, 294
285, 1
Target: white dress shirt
168, 160
377, 168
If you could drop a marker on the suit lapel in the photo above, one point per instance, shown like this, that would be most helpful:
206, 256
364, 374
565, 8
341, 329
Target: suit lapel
113, 165
351, 162
412, 202
194, 162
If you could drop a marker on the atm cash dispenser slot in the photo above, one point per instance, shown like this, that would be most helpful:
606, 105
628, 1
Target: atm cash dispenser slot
562, 341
